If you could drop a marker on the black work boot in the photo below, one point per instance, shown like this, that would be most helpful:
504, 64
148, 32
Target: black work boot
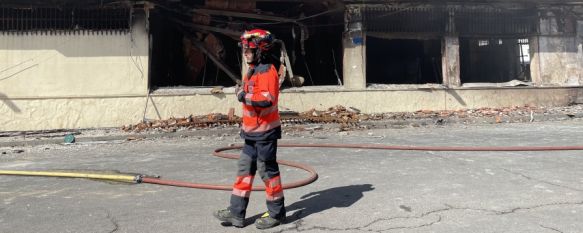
226, 216
266, 221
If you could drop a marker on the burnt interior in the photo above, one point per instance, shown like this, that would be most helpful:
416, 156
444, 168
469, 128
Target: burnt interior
403, 61
313, 45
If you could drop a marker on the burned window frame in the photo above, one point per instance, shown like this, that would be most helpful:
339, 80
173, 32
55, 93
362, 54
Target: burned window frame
476, 25
461, 21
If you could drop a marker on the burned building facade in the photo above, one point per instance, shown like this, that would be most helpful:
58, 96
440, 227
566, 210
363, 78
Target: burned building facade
85, 64
469, 44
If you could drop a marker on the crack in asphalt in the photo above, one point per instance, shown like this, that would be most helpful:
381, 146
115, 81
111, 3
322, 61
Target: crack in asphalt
542, 181
517, 209
537, 207
550, 228
300, 223
113, 221
414, 227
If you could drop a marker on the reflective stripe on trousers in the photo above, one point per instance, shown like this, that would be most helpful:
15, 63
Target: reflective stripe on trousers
258, 156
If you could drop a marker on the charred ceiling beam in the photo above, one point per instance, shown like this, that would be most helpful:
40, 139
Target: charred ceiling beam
303, 28
231, 33
180, 10
244, 15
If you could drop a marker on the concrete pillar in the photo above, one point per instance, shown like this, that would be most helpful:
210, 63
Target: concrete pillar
354, 44
580, 50
451, 61
535, 66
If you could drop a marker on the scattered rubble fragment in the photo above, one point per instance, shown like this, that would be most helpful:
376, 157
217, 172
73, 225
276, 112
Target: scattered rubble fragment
217, 90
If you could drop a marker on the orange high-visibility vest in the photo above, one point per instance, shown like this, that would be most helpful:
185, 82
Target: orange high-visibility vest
260, 110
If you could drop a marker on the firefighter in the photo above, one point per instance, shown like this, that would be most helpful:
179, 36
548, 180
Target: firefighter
261, 129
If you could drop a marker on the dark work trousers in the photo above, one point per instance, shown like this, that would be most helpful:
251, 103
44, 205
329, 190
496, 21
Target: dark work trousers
258, 155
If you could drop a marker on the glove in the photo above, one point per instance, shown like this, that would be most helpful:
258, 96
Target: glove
239, 93
241, 96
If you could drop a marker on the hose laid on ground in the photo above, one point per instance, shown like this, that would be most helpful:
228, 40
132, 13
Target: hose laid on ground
313, 175
430, 148
119, 178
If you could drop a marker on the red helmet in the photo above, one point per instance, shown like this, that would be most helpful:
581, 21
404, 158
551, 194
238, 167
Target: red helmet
257, 39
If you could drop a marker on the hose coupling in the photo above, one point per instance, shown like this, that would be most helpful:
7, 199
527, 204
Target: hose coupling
138, 179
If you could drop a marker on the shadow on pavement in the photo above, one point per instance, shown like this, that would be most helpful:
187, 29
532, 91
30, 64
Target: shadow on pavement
316, 202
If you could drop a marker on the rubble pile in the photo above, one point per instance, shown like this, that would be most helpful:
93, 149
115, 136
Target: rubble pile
191, 122
516, 111
349, 117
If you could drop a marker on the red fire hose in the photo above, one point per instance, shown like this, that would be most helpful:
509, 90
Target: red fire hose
314, 176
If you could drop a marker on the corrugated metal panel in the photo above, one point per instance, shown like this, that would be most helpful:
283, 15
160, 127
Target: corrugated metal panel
496, 22
55, 19
436, 20
406, 20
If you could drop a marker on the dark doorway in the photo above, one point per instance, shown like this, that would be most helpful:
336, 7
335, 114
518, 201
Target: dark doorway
403, 61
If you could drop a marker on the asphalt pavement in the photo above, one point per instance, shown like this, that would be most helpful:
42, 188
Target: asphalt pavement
358, 190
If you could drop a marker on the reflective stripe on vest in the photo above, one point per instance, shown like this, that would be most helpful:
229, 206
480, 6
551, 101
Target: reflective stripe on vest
248, 100
263, 113
267, 111
268, 96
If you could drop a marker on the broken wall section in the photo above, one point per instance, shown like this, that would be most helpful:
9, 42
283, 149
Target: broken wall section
557, 52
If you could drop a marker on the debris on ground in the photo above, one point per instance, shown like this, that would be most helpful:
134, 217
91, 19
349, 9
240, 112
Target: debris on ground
349, 117
191, 122
346, 117
496, 113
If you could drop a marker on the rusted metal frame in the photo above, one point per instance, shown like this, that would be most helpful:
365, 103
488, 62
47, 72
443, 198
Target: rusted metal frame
234, 77
235, 34
217, 62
